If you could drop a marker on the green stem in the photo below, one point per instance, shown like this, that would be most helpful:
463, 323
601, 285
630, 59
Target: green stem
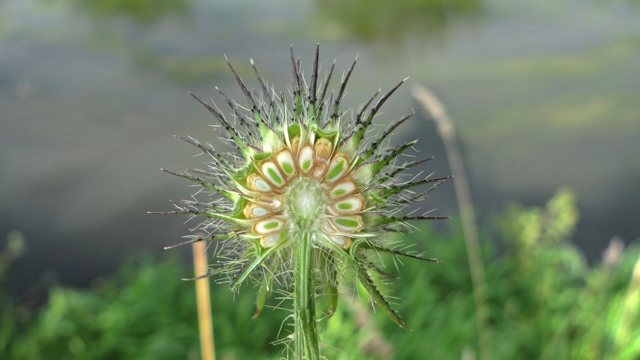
304, 302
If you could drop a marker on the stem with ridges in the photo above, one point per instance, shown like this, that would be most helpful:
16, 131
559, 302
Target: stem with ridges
304, 302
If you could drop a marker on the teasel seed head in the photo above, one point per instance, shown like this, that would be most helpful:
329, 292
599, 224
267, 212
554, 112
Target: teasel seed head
300, 167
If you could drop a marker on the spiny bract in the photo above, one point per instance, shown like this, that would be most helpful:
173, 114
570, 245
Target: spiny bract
303, 173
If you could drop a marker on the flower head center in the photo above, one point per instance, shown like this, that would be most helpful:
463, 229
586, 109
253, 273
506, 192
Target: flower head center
305, 201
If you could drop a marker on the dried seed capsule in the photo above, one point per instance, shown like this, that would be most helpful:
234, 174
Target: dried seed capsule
295, 144
252, 211
319, 171
270, 241
270, 201
342, 241
255, 182
323, 149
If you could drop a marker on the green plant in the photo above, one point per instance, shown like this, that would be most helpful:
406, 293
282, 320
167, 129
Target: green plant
552, 307
305, 198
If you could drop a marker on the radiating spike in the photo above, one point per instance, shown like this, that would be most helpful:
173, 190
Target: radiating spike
234, 135
369, 246
403, 168
326, 83
210, 273
363, 127
195, 203
379, 141
198, 213
394, 189
373, 267
380, 102
296, 77
336, 105
220, 160
229, 195
243, 121
247, 94
365, 106
209, 238
314, 78
419, 196
393, 153
265, 91
389, 220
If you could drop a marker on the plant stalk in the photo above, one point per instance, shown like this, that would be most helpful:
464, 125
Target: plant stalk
306, 340
203, 298
445, 129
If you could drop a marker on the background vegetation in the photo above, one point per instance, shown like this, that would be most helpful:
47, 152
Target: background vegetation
545, 303
542, 93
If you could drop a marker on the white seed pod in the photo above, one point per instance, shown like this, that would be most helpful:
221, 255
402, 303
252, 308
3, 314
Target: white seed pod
346, 224
271, 172
269, 226
306, 159
341, 189
287, 164
350, 205
338, 168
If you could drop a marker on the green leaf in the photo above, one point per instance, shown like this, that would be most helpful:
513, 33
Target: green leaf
252, 265
367, 282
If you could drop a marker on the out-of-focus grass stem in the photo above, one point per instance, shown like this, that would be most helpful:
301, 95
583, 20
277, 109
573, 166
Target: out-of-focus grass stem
436, 111
628, 314
203, 298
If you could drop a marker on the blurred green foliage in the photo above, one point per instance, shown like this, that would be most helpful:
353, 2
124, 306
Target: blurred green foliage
545, 303
140, 11
388, 20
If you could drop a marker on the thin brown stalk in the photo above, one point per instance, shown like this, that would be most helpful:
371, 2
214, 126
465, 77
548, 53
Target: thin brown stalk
436, 111
203, 298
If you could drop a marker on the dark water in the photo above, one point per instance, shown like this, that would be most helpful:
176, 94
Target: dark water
544, 95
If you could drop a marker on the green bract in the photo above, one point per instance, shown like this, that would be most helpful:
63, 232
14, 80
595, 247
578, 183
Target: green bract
305, 197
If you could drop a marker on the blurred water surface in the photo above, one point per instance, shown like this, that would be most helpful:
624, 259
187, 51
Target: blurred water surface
544, 94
